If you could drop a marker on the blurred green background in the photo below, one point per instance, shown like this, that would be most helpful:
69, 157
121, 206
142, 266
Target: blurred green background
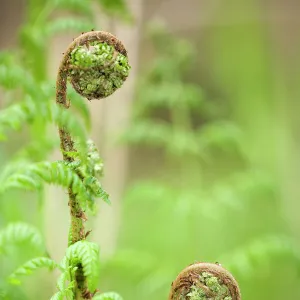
200, 146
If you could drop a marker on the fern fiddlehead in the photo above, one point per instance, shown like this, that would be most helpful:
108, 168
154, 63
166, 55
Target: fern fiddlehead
96, 64
203, 281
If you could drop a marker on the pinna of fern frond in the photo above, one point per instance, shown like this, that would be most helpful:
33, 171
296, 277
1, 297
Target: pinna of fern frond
30, 266
81, 260
20, 233
32, 176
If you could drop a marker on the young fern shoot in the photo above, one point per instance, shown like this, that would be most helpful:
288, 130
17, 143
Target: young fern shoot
96, 64
203, 281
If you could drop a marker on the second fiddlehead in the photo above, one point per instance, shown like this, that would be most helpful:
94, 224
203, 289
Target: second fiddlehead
203, 281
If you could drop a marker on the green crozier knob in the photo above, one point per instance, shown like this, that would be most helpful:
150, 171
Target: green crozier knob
98, 67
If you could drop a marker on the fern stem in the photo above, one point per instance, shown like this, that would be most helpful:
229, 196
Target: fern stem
204, 281
67, 145
66, 142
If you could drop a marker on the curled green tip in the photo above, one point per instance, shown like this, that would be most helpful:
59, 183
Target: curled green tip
204, 281
97, 69
210, 284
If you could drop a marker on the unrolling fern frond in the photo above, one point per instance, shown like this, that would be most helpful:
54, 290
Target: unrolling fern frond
94, 163
108, 296
17, 233
67, 275
65, 294
30, 266
86, 254
62, 279
32, 177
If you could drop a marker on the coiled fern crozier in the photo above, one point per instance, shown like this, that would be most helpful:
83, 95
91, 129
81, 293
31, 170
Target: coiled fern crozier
201, 281
96, 63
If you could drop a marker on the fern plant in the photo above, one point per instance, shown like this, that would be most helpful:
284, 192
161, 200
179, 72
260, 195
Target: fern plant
97, 64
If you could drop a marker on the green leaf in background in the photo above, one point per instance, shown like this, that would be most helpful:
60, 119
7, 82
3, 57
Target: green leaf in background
20, 233
30, 266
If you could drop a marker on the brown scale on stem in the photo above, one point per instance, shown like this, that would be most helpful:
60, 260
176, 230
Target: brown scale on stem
204, 281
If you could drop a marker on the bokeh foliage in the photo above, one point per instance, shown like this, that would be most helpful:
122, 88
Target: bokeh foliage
202, 183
